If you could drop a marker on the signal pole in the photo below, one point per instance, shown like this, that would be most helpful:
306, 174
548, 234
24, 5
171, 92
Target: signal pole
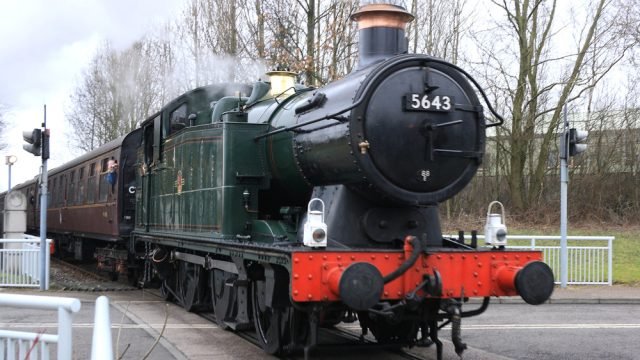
44, 281
572, 143
38, 144
564, 181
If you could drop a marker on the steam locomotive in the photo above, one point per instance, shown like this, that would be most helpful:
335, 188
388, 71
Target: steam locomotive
287, 208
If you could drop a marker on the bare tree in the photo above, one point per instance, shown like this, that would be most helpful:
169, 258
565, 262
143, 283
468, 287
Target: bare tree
438, 27
119, 90
535, 96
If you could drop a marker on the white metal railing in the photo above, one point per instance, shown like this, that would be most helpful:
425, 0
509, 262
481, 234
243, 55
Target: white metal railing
587, 265
20, 262
30, 345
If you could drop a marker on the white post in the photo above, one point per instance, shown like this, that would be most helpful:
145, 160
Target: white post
610, 251
65, 333
564, 180
101, 343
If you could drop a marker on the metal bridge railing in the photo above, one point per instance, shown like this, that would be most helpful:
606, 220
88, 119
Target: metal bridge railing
590, 258
20, 262
30, 345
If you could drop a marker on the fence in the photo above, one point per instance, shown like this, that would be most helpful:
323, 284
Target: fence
24, 345
587, 265
20, 262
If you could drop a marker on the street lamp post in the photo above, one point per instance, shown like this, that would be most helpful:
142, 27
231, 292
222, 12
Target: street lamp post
10, 160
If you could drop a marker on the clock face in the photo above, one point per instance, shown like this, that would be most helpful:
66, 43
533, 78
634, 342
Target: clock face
15, 200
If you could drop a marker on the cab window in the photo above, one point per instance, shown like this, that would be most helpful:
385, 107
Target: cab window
178, 118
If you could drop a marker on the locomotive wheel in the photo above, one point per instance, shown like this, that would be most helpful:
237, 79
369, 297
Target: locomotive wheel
299, 326
189, 280
278, 330
271, 324
222, 296
165, 291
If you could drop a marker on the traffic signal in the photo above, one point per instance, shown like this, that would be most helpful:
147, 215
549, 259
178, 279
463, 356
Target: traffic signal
34, 139
45, 144
577, 141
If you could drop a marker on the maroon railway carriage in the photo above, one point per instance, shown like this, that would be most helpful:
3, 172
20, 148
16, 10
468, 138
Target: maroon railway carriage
91, 203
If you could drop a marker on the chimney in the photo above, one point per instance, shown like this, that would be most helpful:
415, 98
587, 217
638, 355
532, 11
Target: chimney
381, 30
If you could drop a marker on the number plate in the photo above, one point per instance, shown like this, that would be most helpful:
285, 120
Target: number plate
427, 102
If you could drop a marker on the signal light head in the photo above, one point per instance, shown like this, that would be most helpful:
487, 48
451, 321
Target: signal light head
34, 140
577, 141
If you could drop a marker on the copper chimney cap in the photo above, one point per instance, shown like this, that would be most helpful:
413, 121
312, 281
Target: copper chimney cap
384, 13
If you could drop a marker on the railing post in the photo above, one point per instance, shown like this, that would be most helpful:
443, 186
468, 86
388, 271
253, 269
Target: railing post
64, 333
101, 344
47, 264
610, 280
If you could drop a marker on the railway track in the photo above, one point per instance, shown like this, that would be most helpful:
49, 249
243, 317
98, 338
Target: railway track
66, 276
332, 340
83, 277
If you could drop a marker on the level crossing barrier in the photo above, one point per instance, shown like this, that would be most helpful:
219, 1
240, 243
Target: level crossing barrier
590, 258
18, 345
20, 262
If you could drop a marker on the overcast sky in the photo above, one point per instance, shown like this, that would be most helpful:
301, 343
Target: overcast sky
45, 45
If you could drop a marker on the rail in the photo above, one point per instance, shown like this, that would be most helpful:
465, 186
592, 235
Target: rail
20, 262
25, 345
590, 264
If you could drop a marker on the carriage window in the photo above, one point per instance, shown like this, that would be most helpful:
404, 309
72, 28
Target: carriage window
54, 192
103, 185
63, 190
104, 188
81, 186
72, 195
91, 184
104, 165
32, 197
